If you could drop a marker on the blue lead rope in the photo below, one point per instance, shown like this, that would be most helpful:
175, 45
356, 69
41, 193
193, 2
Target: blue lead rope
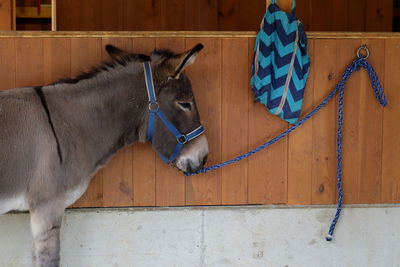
356, 65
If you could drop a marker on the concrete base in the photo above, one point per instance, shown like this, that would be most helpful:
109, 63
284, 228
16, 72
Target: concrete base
215, 236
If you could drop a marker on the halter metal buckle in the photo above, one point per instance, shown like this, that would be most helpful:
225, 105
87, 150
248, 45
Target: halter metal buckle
153, 106
182, 139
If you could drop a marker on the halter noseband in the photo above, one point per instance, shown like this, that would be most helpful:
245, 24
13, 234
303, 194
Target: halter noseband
154, 110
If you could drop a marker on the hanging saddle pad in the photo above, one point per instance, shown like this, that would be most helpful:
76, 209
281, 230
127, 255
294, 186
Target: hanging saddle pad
281, 63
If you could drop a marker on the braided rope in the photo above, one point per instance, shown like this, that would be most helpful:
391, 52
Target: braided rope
380, 96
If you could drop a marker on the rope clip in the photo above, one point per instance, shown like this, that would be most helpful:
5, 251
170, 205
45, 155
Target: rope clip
365, 54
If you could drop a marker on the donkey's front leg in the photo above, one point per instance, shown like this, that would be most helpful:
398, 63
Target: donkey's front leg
45, 224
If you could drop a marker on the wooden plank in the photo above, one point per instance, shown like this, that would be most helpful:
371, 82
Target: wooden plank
57, 59
237, 15
29, 62
304, 13
339, 15
7, 63
249, 15
112, 14
170, 183
142, 15
118, 175
379, 16
351, 123
205, 76
6, 15
324, 124
362, 127
267, 171
323, 15
64, 21
235, 78
227, 14
117, 180
79, 16
208, 15
391, 115
201, 15
192, 16
144, 171
370, 138
300, 145
86, 53
172, 15
356, 15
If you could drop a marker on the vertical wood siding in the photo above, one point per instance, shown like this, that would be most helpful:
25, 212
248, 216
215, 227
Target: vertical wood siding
223, 15
299, 169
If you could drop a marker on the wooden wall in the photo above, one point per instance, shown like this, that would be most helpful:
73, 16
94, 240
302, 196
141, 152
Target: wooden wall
300, 169
5, 15
221, 15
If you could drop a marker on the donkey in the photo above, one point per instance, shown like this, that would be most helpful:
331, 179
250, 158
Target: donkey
54, 138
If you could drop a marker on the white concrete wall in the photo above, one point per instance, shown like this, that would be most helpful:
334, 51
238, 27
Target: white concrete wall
220, 236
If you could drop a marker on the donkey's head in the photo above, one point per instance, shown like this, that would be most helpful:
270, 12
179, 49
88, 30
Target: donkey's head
175, 99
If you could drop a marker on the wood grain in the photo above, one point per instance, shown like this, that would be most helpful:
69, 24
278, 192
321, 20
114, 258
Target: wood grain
351, 123
356, 15
324, 123
221, 15
57, 59
267, 171
235, 131
7, 63
5, 15
370, 138
29, 62
391, 115
300, 145
142, 15
208, 15
173, 14
305, 163
379, 15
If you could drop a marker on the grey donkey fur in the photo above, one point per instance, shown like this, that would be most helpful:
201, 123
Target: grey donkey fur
54, 138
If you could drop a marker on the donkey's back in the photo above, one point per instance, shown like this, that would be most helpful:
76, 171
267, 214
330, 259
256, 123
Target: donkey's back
25, 145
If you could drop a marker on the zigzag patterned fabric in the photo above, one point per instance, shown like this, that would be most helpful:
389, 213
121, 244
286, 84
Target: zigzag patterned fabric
281, 63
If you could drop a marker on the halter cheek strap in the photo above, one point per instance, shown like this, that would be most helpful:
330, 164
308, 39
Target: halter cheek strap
154, 112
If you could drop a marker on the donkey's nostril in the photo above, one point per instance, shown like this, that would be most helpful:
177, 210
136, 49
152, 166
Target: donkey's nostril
204, 160
189, 166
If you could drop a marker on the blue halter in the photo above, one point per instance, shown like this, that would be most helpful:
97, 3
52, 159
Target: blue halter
154, 110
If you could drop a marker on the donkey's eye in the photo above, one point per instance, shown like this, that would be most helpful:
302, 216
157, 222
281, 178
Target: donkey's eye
186, 106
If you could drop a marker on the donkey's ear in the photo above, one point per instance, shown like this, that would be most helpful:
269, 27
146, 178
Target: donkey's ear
181, 61
117, 54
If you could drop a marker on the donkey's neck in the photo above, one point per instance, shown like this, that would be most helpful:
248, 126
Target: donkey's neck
97, 116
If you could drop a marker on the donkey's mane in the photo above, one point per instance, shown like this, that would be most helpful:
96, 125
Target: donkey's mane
106, 66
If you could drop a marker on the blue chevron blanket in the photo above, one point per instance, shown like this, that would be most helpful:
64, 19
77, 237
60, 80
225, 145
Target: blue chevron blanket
281, 63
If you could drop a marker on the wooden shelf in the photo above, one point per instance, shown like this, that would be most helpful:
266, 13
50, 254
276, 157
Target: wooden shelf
31, 12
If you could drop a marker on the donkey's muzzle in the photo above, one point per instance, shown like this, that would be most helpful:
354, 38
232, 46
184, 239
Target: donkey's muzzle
193, 156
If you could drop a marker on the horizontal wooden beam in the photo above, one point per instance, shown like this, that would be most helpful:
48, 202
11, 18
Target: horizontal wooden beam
244, 34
